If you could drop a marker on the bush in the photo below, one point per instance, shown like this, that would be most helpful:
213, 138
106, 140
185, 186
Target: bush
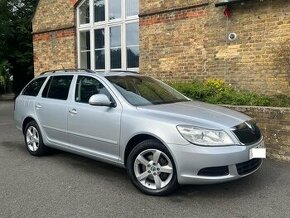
5, 82
215, 91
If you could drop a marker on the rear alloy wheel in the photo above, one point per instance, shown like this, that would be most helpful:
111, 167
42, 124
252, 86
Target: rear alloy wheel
152, 169
33, 140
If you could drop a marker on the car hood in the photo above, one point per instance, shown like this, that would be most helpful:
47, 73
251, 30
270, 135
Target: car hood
196, 113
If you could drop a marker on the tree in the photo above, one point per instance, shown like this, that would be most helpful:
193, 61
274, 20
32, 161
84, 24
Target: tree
16, 39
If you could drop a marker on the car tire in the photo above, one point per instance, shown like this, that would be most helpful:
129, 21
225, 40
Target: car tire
151, 168
33, 140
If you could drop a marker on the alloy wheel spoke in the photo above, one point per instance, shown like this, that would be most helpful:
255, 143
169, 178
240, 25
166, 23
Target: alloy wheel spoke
156, 156
166, 169
142, 160
34, 146
29, 132
143, 176
157, 181
36, 139
29, 142
33, 132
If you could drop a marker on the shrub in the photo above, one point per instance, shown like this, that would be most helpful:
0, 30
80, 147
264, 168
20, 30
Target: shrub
216, 91
5, 82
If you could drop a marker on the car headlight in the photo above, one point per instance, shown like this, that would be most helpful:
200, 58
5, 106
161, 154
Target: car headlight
205, 137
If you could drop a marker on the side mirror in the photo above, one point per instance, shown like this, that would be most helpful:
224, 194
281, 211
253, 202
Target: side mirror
101, 100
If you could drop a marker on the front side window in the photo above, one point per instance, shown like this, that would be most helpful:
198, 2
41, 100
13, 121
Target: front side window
108, 34
33, 87
88, 86
57, 87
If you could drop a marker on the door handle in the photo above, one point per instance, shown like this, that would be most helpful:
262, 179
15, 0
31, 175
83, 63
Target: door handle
73, 111
38, 106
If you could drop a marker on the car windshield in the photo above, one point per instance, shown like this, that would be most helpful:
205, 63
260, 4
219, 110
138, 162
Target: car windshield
142, 90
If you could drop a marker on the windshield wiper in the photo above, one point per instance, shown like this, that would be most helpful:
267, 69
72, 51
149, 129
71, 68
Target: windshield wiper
171, 102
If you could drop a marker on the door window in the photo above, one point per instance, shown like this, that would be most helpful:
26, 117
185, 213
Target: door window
86, 87
57, 87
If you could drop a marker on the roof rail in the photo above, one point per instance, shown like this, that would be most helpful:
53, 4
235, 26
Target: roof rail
68, 70
123, 71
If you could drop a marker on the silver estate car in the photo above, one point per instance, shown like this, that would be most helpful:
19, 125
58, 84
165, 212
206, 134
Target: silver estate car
160, 136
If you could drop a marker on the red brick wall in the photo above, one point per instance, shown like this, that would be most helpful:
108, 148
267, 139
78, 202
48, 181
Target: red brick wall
171, 17
186, 40
54, 35
54, 50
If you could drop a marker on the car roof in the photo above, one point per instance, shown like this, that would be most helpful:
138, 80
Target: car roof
90, 72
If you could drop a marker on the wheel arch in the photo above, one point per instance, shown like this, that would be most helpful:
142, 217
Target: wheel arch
136, 139
26, 121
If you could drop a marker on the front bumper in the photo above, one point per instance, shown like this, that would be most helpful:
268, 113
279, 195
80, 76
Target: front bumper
190, 159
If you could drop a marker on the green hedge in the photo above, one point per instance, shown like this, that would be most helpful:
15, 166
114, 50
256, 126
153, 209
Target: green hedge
217, 92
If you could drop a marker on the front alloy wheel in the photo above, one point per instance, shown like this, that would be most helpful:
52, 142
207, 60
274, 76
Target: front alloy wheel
151, 168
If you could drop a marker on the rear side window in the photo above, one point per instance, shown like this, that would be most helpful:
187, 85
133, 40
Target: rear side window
33, 87
57, 87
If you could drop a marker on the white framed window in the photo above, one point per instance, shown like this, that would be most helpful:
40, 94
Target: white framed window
108, 34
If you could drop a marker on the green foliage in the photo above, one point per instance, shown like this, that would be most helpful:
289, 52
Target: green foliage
217, 92
16, 39
5, 82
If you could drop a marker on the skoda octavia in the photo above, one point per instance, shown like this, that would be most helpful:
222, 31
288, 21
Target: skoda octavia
160, 136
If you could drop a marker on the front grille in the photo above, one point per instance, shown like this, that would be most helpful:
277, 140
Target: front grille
248, 166
246, 134
214, 171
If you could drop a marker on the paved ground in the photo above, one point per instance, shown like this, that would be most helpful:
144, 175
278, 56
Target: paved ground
66, 185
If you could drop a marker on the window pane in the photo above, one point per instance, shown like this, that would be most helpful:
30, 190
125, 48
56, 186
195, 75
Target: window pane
114, 9
99, 38
99, 10
133, 57
85, 12
132, 34
115, 34
132, 7
59, 87
85, 41
115, 58
85, 60
33, 88
88, 86
100, 59
132, 40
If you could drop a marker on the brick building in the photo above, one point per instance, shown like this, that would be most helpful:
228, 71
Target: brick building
169, 39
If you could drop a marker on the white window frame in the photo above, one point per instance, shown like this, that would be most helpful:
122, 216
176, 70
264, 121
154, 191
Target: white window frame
91, 26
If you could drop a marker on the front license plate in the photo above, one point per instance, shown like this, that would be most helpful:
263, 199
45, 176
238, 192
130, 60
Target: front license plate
258, 152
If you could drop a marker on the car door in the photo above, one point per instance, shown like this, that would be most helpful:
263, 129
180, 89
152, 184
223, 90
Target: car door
94, 129
52, 106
